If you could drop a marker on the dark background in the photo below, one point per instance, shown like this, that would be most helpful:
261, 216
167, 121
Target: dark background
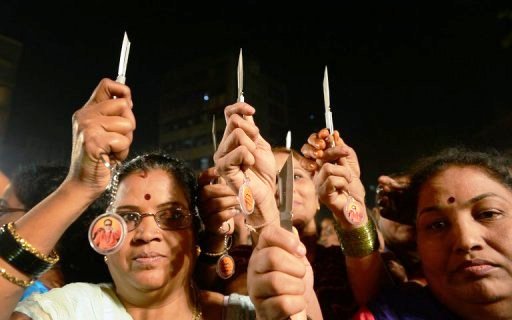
406, 78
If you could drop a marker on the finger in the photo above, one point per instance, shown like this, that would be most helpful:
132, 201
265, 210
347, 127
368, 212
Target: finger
323, 134
236, 121
213, 219
332, 185
272, 236
335, 154
240, 108
216, 191
277, 283
311, 152
237, 138
280, 307
275, 259
116, 124
97, 143
315, 141
332, 170
107, 89
207, 176
231, 166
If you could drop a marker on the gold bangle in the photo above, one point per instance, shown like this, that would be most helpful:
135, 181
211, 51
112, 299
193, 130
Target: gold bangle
359, 242
12, 279
53, 258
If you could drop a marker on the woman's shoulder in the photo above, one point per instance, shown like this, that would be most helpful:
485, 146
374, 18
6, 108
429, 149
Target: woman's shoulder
74, 301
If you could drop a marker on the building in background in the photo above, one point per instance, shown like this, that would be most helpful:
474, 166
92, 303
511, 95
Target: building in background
10, 52
198, 90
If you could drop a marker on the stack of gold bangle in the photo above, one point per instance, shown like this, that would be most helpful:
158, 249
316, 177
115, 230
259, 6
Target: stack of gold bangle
21, 255
359, 242
12, 279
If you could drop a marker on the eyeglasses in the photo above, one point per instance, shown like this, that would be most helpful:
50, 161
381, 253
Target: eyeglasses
174, 218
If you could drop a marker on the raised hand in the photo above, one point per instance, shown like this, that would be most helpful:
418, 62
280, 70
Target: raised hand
218, 204
337, 177
280, 278
243, 153
102, 129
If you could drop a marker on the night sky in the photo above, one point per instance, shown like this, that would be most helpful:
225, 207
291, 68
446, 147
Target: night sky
405, 78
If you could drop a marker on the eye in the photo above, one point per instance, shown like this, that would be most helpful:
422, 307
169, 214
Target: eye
297, 176
488, 215
129, 216
437, 225
171, 213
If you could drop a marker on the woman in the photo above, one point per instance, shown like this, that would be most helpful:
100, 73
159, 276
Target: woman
462, 202
156, 196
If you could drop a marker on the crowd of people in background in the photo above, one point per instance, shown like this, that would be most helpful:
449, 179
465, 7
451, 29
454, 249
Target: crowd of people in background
437, 244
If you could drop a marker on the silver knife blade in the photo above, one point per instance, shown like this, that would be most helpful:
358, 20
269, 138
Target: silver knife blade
327, 103
240, 78
214, 135
123, 59
285, 187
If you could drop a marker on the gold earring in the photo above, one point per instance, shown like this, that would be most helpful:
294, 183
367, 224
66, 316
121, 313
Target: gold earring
198, 250
105, 258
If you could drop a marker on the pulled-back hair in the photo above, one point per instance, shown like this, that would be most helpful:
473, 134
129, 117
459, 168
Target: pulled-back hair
494, 164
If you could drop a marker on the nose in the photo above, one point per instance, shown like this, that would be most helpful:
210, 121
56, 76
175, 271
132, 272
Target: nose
467, 236
147, 230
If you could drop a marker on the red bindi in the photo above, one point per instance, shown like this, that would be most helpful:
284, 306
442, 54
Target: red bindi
451, 200
147, 196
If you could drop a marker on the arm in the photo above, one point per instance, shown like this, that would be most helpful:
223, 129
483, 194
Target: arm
103, 125
339, 187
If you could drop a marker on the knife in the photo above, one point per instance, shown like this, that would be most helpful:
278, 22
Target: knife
285, 189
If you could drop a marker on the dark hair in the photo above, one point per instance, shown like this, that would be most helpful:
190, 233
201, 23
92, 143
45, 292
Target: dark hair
31, 184
105, 221
175, 168
495, 165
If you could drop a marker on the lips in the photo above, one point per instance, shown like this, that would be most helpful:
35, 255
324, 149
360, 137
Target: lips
478, 267
148, 257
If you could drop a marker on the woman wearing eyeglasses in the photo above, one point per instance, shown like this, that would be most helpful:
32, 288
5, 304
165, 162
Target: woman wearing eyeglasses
155, 195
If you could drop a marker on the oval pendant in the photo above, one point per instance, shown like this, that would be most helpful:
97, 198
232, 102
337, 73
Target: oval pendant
246, 199
352, 211
225, 266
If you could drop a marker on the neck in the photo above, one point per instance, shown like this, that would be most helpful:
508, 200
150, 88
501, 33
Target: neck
142, 305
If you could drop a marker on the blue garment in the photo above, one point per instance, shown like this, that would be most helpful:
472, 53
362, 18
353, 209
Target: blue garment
36, 287
409, 302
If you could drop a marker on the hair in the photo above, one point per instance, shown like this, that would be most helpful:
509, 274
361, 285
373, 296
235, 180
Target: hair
494, 164
31, 184
107, 220
78, 262
176, 168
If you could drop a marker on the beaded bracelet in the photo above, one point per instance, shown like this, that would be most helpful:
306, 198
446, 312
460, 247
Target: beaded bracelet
14, 280
22, 255
359, 242
228, 241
